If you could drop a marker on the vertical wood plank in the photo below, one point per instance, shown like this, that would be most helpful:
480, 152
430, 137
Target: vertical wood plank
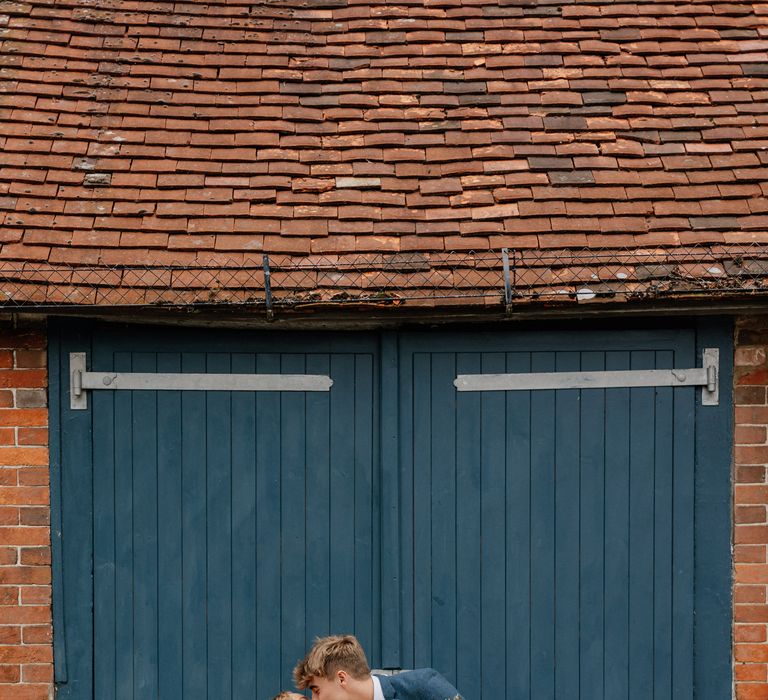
318, 516
362, 410
170, 533
442, 494
641, 521
293, 461
422, 509
392, 629
493, 524
543, 533
713, 671
194, 538
468, 528
592, 536
567, 522
663, 535
683, 496
406, 382
244, 595
104, 495
269, 634
145, 533
58, 395
641, 489
124, 537
342, 535
616, 533
218, 427
71, 521
518, 535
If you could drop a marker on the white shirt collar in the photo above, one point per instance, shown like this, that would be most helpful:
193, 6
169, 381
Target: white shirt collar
378, 694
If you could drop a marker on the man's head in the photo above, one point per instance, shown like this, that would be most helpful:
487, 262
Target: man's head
288, 695
333, 669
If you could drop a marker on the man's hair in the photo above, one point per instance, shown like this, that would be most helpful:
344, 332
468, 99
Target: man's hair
284, 695
329, 655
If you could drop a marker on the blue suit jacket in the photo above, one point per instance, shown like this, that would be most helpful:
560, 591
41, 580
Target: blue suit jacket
421, 684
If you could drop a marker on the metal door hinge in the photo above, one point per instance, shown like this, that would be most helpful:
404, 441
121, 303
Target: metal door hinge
706, 377
80, 380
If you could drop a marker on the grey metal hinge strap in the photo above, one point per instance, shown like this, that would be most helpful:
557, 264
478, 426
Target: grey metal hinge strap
706, 377
82, 380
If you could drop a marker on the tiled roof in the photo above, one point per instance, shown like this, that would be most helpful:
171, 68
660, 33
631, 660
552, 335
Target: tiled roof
187, 133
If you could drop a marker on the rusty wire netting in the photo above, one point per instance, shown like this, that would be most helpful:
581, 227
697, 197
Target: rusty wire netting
488, 277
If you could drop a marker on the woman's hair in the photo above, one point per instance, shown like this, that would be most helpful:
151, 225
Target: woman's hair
329, 655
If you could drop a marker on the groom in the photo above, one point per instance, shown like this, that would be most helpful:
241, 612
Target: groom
336, 669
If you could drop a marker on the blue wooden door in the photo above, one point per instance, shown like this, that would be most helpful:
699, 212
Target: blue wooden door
534, 545
226, 529
569, 543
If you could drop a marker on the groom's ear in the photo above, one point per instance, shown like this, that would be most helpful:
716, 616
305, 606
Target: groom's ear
343, 677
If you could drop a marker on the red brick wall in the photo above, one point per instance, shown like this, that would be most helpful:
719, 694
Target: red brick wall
750, 503
26, 654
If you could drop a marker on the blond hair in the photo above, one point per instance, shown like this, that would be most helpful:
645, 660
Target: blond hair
286, 695
329, 655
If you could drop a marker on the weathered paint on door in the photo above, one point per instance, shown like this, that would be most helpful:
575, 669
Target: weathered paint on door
549, 544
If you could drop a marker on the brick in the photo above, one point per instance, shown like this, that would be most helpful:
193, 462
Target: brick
750, 434
752, 613
24, 417
32, 436
10, 674
750, 493
9, 595
749, 553
42, 634
750, 672
749, 633
35, 515
27, 378
750, 514
10, 634
29, 653
752, 415
9, 515
37, 673
28, 575
25, 692
26, 615
746, 395
751, 534
745, 454
33, 456
30, 398
755, 377
750, 474
41, 595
